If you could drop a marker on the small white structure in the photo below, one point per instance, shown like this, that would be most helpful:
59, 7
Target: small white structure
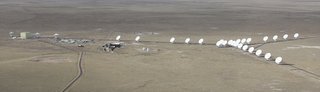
285, 36
56, 35
201, 41
11, 34
296, 35
172, 39
265, 39
267, 56
26, 35
278, 60
259, 52
37, 35
249, 40
145, 49
245, 47
251, 49
118, 37
137, 39
187, 41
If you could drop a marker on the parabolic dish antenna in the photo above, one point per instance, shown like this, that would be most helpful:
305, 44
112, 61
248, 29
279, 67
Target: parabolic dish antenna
224, 43
230, 42
243, 41
219, 43
118, 38
249, 40
187, 41
235, 44
137, 39
240, 45
201, 41
265, 39
172, 39
296, 35
251, 49
238, 41
275, 37
267, 56
259, 52
245, 47
285, 36
278, 60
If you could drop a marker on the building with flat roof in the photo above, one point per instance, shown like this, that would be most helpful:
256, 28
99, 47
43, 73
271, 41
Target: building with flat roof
26, 35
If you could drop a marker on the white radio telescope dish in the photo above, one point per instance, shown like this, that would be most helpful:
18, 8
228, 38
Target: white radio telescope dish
296, 35
259, 52
137, 39
249, 40
230, 42
245, 47
118, 38
201, 41
172, 40
267, 56
238, 41
285, 36
187, 41
219, 43
224, 42
243, 41
275, 37
251, 49
265, 39
278, 60
240, 46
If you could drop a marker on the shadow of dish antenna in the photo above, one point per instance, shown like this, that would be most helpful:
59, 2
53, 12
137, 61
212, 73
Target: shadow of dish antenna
172, 39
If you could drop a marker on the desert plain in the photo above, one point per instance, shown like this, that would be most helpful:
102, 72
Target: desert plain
33, 65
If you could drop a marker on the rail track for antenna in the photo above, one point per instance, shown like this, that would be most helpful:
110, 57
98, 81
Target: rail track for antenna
291, 67
78, 76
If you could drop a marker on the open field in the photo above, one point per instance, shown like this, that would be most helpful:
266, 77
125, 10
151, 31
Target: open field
37, 66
